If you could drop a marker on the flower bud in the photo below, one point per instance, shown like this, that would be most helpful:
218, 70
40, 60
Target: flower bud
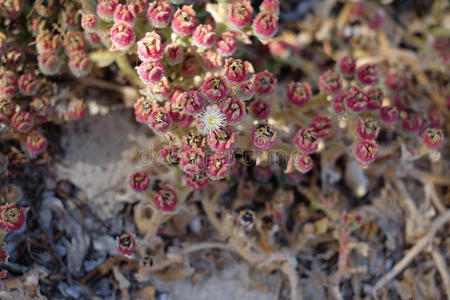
174, 54
166, 199
413, 123
125, 13
49, 63
226, 44
193, 139
122, 36
28, 84
80, 64
140, 5
150, 47
12, 217
260, 109
190, 65
176, 109
22, 121
184, 21
265, 83
366, 151
303, 163
321, 125
218, 166
7, 109
41, 108
159, 13
36, 143
214, 89
193, 101
233, 109
298, 93
246, 90
212, 61
367, 74
367, 129
93, 39
347, 66
330, 82
355, 100
197, 181
159, 91
139, 182
106, 8
222, 140
126, 244
48, 41
433, 138
389, 114
74, 42
159, 120
306, 140
240, 14
338, 103
263, 136
170, 155
77, 109
11, 9
236, 70
270, 6
192, 160
204, 36
150, 71
89, 22
265, 25
8, 83
374, 96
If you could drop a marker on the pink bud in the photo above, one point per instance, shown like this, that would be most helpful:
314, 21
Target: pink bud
125, 13
7, 109
226, 44
74, 42
170, 155
190, 65
306, 140
41, 108
193, 139
159, 13
193, 102
14, 56
126, 244
192, 160
150, 47
28, 84
394, 80
240, 14
338, 103
8, 83
36, 143
139, 182
150, 71
80, 64
174, 54
218, 166
122, 36
265, 25
374, 96
355, 100
298, 93
233, 109
367, 74
143, 108
106, 8
93, 39
222, 140
212, 60
367, 129
166, 199
89, 22
160, 121
433, 138
270, 6
49, 63
184, 21
389, 114
413, 123
215, 89
347, 66
265, 83
77, 109
176, 108
12, 217
263, 136
261, 109
366, 151
140, 5
197, 181
237, 70
48, 41
204, 36
321, 125
330, 82
303, 163
22, 121
246, 90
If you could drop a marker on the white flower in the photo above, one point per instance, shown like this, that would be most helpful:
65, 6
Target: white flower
210, 119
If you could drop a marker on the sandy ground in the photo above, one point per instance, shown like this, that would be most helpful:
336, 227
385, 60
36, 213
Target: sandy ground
97, 159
